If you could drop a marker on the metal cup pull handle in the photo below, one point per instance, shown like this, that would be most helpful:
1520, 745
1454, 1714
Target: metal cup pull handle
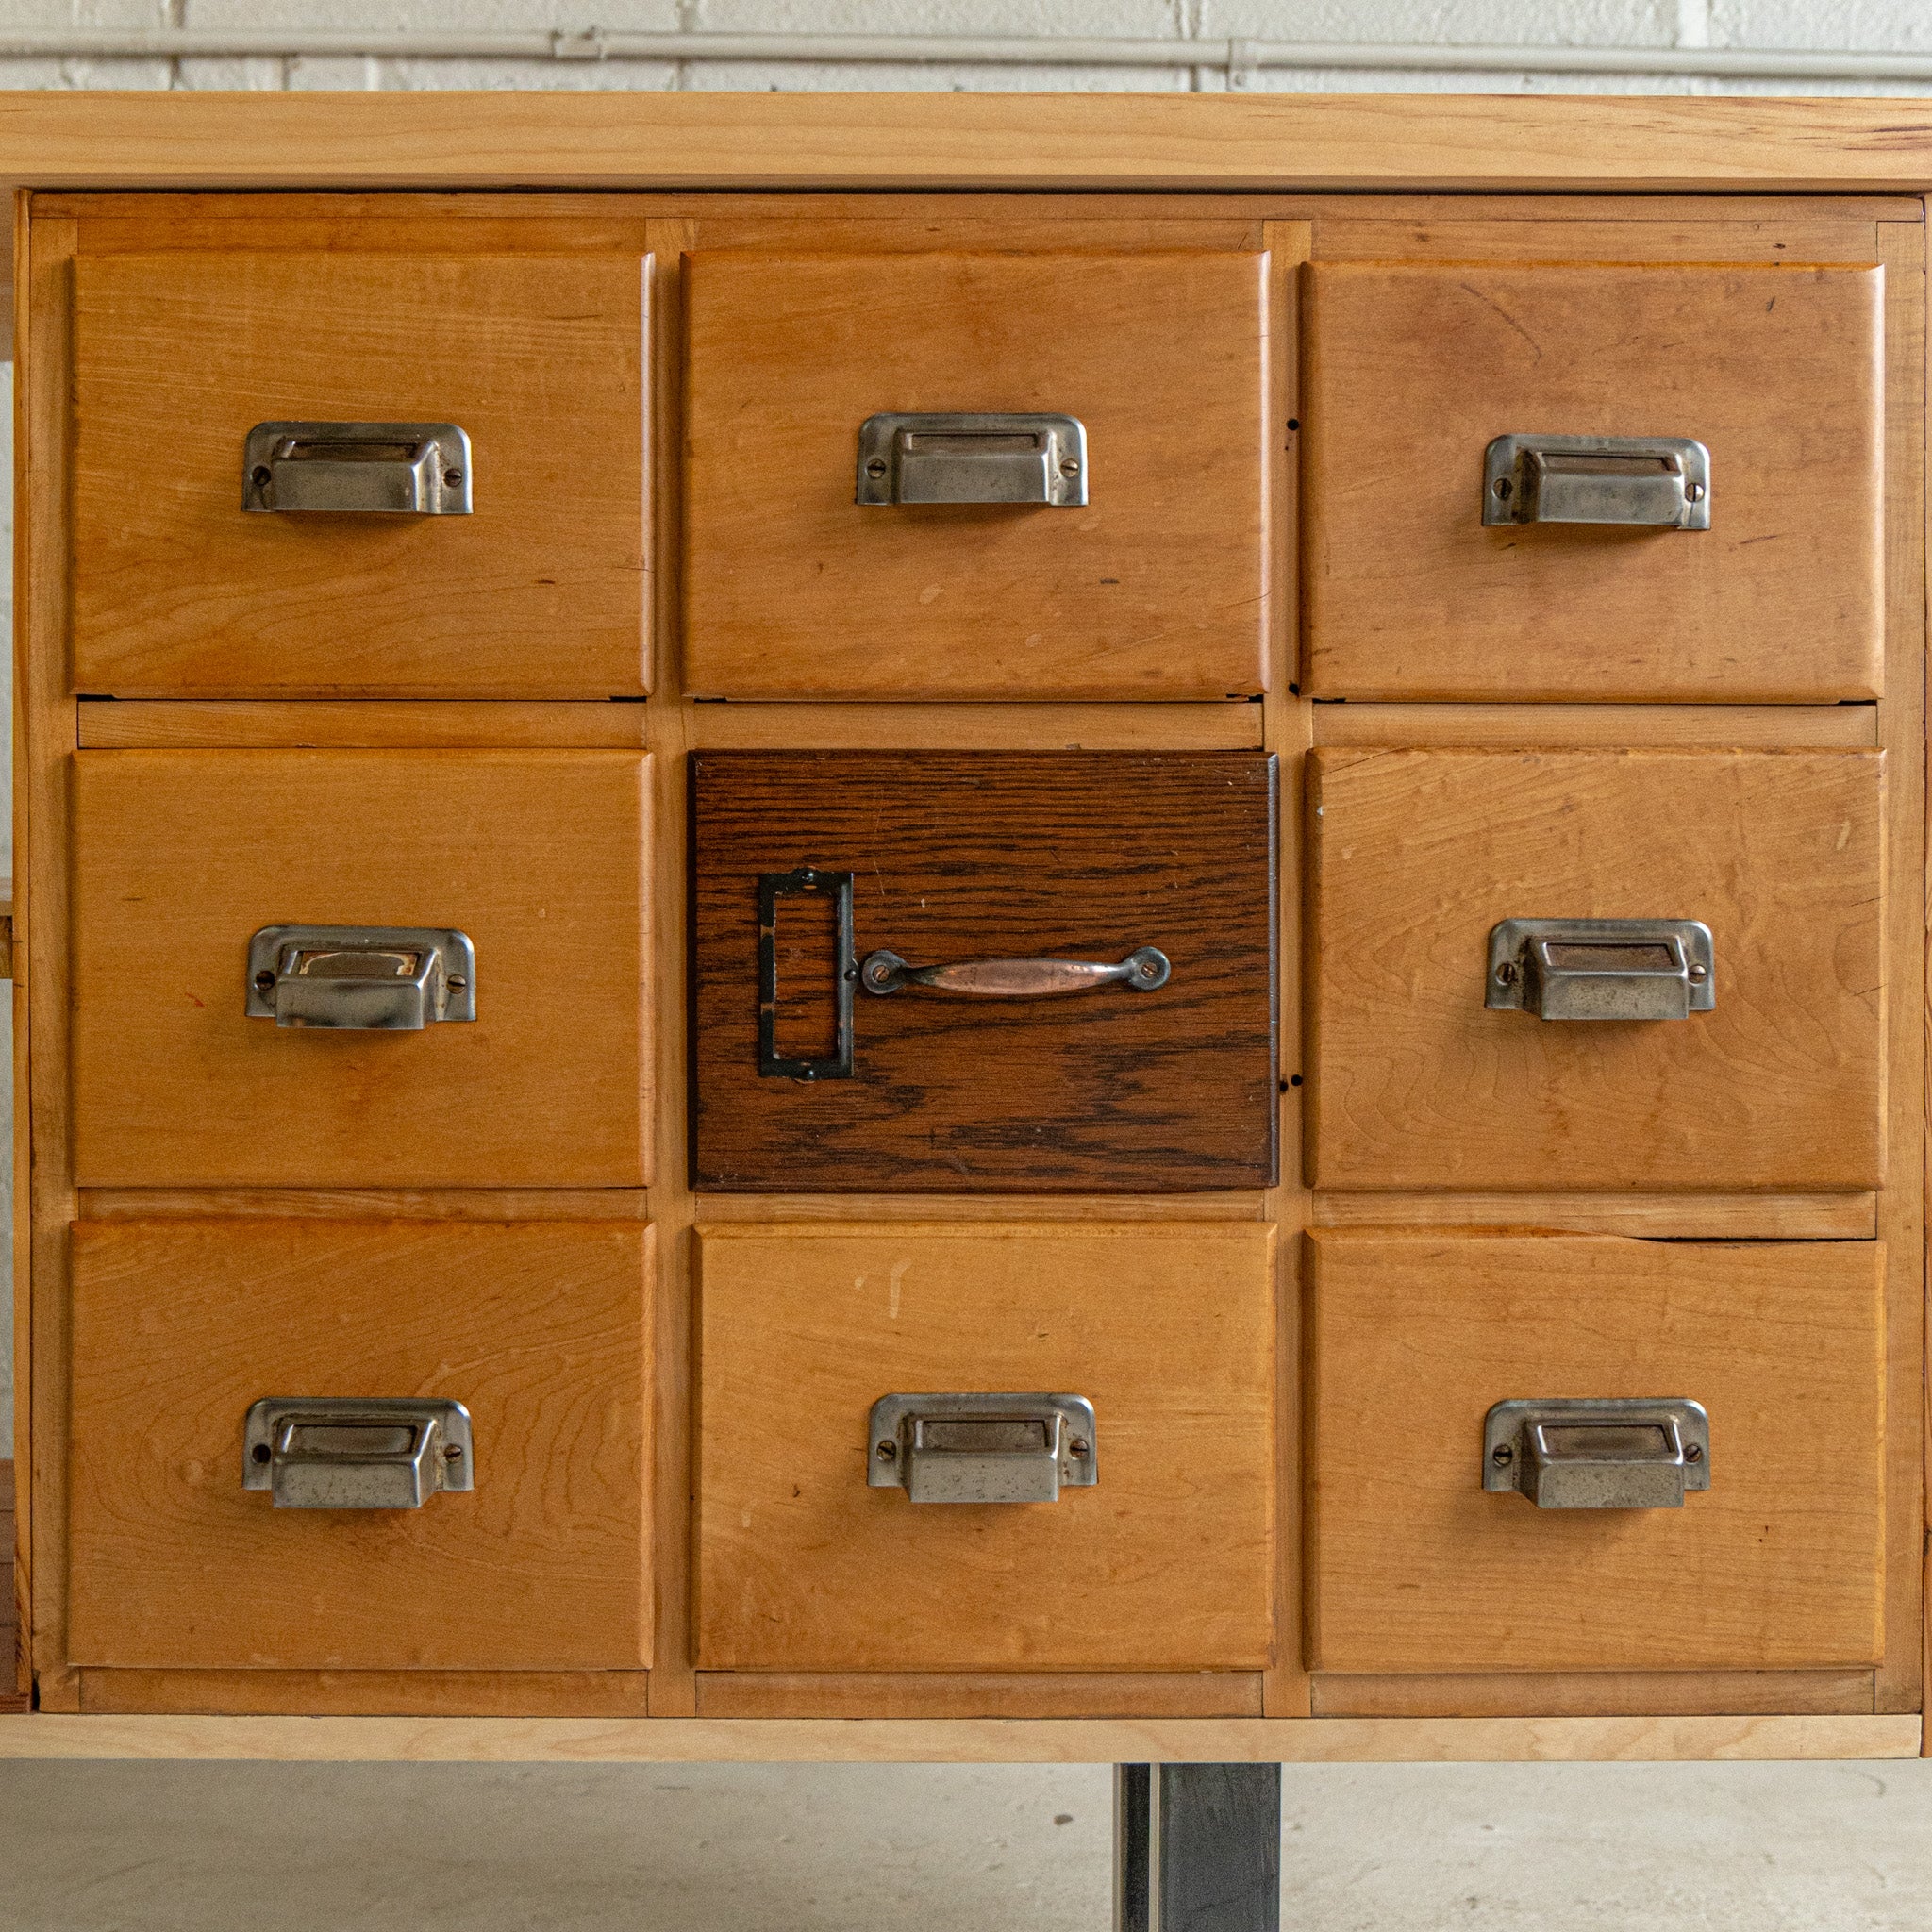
1601, 969
1143, 969
411, 469
972, 459
962, 1448
1657, 482
367, 979
1632, 1452
356, 1453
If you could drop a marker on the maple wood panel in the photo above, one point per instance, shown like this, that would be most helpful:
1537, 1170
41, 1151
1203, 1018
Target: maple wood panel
368, 1694
539, 856
1417, 853
538, 1331
540, 358
1413, 370
972, 856
1413, 1567
903, 1694
1651, 147
1157, 588
1166, 1563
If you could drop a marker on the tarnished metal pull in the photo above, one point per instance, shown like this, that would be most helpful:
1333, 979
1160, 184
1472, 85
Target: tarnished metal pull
1601, 969
1145, 969
987, 458
356, 1453
414, 469
981, 1448
1662, 482
1626, 1453
374, 978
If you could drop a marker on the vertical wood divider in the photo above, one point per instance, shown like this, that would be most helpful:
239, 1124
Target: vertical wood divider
1289, 720
668, 733
48, 729
1902, 729
22, 1474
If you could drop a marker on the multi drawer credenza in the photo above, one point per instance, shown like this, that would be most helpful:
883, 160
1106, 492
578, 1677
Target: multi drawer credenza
1103, 936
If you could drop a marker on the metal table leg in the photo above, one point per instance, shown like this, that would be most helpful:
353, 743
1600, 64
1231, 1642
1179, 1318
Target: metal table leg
1197, 1847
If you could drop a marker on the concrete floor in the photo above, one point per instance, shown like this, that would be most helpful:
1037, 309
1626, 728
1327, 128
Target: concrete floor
698, 1848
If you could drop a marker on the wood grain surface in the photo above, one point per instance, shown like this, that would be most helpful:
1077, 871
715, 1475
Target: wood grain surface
368, 1694
1412, 1567
767, 1694
539, 857
1704, 1216
1596, 1694
538, 356
1166, 1563
962, 1740
1155, 588
365, 723
968, 855
540, 1331
1644, 145
14, 1676
1411, 370
1416, 855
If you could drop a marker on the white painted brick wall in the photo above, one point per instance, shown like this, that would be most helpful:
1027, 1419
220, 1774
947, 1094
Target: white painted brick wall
1862, 26
1859, 25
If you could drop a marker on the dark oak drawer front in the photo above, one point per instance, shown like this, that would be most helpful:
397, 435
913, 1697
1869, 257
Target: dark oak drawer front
964, 857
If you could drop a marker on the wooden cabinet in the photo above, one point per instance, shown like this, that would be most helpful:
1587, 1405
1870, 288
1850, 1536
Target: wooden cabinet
535, 353
1147, 579
536, 857
811, 1072
1418, 857
1413, 1565
1415, 368
538, 1331
890, 904
1162, 1563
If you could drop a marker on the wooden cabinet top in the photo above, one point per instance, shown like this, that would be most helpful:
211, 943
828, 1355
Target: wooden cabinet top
125, 139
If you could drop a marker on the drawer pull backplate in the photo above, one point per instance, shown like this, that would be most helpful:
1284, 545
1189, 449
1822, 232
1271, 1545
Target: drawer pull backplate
1601, 969
1020, 459
981, 1448
353, 1453
412, 468
1628, 1453
1656, 482
369, 978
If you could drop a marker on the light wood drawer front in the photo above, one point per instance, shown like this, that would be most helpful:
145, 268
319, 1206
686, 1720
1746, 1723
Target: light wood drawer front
1157, 588
539, 591
537, 856
538, 1331
1412, 1567
946, 858
1164, 1563
1413, 370
1417, 855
